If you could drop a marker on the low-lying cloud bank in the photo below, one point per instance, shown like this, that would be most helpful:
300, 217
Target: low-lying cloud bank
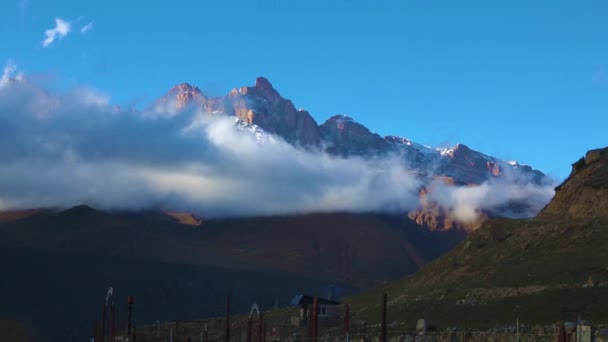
465, 203
68, 149
60, 150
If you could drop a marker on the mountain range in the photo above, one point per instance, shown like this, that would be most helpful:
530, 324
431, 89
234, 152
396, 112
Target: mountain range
261, 110
172, 260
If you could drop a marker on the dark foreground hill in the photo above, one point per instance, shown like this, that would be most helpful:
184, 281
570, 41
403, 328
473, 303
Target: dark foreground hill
541, 269
58, 265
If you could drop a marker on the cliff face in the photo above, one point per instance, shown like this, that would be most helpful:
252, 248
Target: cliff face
585, 193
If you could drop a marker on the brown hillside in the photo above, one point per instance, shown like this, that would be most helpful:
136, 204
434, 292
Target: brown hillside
533, 268
585, 192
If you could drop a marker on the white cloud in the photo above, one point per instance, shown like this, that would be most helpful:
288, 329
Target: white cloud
466, 202
86, 28
83, 150
8, 73
62, 28
59, 150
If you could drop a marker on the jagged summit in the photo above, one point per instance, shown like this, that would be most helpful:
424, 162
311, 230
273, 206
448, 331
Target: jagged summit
348, 137
259, 105
185, 87
263, 83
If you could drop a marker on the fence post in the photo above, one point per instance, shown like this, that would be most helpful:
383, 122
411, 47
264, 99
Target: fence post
249, 328
112, 322
103, 324
261, 328
383, 317
364, 331
129, 315
228, 319
94, 338
347, 322
315, 319
310, 323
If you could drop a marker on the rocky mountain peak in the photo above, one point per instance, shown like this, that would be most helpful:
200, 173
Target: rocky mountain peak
263, 83
262, 89
259, 105
347, 137
182, 95
185, 87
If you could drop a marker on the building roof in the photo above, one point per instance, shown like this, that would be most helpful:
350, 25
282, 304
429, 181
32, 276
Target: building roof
304, 299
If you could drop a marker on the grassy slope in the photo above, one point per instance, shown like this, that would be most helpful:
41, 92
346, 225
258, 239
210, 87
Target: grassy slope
58, 266
532, 268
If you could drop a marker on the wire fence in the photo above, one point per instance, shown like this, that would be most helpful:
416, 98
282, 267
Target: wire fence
318, 323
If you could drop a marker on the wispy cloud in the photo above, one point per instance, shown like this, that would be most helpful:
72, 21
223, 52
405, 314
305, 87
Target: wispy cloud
86, 28
8, 73
61, 29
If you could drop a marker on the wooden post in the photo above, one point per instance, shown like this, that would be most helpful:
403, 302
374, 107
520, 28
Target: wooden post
94, 339
129, 315
112, 322
383, 317
103, 324
261, 329
310, 320
249, 328
315, 319
364, 331
347, 322
227, 319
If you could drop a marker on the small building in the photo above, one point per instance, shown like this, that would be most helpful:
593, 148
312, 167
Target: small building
328, 310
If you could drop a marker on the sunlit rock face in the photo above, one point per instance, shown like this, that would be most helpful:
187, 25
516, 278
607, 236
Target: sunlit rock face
258, 105
261, 108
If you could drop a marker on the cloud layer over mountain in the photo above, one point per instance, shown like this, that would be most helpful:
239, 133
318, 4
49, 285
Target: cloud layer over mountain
59, 150
66, 149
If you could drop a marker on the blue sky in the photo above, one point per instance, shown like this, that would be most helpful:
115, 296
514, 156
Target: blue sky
516, 79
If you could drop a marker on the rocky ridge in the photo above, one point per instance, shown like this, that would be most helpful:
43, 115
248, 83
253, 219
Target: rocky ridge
264, 111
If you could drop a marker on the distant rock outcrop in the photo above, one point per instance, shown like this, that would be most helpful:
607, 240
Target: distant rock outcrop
585, 192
